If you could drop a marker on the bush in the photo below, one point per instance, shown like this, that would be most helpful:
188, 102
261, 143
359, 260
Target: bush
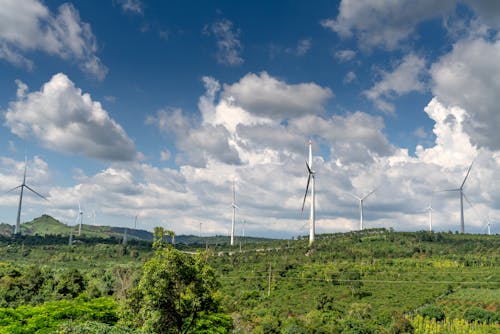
432, 312
478, 314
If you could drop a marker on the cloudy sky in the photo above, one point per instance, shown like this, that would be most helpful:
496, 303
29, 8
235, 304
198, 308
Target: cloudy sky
152, 108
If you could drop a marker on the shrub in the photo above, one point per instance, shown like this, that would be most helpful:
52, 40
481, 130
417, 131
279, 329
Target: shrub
432, 312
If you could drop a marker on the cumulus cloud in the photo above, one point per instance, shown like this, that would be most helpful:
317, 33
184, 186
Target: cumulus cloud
266, 96
406, 77
469, 77
383, 23
229, 46
351, 153
64, 119
388, 24
29, 26
197, 143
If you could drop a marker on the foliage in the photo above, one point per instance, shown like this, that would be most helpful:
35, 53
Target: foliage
476, 314
450, 326
432, 312
174, 293
49, 316
371, 281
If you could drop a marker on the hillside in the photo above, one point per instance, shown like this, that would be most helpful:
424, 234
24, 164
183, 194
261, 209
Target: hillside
46, 225
371, 281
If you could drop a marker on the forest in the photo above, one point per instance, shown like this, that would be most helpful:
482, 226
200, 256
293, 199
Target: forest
371, 281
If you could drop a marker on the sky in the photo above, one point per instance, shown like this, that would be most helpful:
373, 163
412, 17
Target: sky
153, 108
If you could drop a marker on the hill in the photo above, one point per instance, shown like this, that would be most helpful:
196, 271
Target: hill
47, 225
371, 281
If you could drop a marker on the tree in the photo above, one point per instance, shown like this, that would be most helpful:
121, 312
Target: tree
175, 291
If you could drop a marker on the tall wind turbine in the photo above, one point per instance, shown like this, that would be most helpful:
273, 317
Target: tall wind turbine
23, 185
361, 200
233, 204
310, 175
461, 191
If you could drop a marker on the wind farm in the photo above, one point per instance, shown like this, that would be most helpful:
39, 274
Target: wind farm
249, 167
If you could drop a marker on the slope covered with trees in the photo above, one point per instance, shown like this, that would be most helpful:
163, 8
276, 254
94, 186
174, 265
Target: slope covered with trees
375, 281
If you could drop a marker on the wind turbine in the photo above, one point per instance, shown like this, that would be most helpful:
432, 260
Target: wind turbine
233, 204
310, 175
488, 224
429, 210
361, 199
461, 190
80, 215
23, 185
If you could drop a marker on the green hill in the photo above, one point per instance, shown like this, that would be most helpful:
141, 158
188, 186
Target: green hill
46, 225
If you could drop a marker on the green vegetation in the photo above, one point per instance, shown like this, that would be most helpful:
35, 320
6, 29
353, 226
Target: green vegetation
375, 281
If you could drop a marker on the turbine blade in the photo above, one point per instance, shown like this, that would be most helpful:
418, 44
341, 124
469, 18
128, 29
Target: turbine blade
467, 175
307, 189
353, 196
37, 193
371, 192
8, 191
441, 191
25, 167
309, 168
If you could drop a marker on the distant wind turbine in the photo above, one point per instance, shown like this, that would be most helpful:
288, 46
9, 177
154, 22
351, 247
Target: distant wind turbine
489, 226
429, 210
461, 191
310, 175
80, 215
233, 204
361, 200
23, 185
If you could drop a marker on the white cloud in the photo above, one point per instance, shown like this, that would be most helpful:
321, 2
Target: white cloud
27, 26
302, 48
384, 23
229, 47
266, 96
406, 77
469, 77
453, 147
351, 154
350, 77
389, 23
64, 119
132, 6
165, 155
345, 55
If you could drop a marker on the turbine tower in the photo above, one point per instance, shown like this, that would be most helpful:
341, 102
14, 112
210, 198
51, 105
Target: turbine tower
488, 224
311, 173
429, 211
461, 191
233, 204
80, 213
361, 199
23, 185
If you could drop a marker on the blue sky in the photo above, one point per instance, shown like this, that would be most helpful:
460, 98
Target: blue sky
152, 108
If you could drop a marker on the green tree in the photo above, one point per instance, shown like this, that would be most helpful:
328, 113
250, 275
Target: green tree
175, 292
